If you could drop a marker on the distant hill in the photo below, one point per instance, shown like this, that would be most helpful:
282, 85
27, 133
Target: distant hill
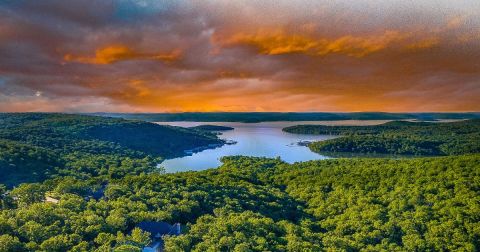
253, 117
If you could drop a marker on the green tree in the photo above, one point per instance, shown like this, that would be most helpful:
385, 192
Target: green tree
27, 194
127, 248
10, 244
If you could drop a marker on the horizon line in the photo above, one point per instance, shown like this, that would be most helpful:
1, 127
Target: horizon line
239, 112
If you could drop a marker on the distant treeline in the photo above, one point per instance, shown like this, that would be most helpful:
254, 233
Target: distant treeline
398, 137
253, 117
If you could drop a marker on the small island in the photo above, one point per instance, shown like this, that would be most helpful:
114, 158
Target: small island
209, 127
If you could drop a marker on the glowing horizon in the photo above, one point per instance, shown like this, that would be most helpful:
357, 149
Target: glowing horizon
240, 56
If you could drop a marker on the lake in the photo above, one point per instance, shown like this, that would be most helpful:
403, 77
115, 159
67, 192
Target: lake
265, 139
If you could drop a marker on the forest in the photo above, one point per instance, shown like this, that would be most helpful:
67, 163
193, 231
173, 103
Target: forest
247, 204
398, 137
37, 146
259, 204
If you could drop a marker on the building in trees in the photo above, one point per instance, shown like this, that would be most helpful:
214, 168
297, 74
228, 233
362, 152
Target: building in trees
157, 230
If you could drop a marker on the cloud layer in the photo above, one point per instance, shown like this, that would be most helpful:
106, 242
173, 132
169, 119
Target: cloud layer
157, 56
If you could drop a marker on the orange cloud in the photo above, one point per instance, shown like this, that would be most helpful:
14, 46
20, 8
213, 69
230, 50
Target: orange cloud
456, 22
116, 53
282, 43
424, 44
139, 88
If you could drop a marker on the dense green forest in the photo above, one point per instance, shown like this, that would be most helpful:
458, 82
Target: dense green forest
398, 137
253, 117
36, 146
258, 204
247, 204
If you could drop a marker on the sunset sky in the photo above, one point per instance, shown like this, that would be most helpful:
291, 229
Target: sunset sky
174, 56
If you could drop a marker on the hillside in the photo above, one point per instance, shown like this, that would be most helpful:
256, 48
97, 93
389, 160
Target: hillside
35, 146
398, 137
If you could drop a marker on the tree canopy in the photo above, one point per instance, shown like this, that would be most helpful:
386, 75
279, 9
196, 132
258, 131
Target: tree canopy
36, 146
259, 204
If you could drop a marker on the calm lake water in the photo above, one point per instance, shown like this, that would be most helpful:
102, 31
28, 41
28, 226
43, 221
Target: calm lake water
264, 139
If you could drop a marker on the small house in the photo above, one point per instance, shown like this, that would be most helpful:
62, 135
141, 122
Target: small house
157, 230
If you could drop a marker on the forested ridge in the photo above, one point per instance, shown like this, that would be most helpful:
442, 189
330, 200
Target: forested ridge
398, 137
258, 204
36, 146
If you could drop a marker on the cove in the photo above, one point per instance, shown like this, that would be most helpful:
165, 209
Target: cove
265, 139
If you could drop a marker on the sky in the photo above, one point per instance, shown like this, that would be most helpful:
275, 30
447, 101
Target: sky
270, 55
